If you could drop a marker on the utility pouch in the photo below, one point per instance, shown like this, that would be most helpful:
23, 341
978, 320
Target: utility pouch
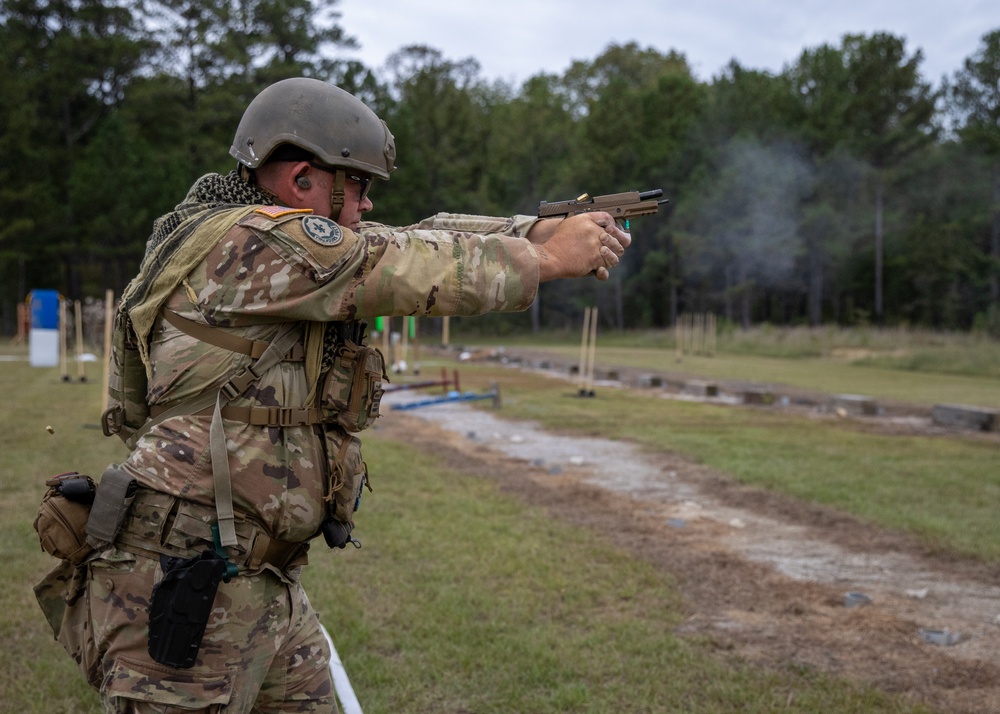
336, 534
127, 383
181, 605
348, 476
353, 385
114, 496
61, 522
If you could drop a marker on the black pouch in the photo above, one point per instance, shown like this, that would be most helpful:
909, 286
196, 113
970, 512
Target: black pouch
181, 605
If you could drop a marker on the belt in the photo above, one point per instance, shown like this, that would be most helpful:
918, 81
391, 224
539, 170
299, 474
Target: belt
161, 524
264, 416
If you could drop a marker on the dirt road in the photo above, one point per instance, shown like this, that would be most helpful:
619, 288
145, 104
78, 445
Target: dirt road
763, 576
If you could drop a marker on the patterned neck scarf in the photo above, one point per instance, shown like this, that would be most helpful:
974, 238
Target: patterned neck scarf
210, 195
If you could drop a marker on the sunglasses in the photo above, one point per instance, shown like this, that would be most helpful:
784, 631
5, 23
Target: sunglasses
365, 182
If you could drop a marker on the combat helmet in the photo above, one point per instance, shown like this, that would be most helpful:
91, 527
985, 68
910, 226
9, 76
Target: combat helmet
336, 127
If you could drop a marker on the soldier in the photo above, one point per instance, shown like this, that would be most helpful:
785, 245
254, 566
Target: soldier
247, 317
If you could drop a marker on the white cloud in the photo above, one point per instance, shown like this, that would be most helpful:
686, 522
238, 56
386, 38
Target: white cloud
515, 39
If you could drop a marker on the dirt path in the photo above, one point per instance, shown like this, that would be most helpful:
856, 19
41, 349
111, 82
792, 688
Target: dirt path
763, 576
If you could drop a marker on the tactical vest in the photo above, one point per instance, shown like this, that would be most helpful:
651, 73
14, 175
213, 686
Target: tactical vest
348, 394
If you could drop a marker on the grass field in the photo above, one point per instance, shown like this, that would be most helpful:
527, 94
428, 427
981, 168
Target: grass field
944, 490
464, 599
919, 367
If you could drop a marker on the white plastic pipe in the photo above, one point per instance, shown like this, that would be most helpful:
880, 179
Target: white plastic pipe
345, 693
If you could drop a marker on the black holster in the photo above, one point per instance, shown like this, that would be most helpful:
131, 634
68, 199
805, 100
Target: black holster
181, 605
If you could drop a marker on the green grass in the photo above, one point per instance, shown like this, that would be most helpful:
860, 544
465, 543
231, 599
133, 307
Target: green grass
920, 368
465, 599
36, 675
943, 490
969, 354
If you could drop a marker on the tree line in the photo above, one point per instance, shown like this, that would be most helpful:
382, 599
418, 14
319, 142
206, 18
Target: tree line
846, 189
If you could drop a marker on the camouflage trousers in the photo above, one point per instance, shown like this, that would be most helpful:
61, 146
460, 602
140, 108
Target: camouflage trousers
264, 649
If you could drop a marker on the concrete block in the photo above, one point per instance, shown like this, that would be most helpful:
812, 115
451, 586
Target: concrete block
699, 388
758, 396
964, 417
648, 381
854, 404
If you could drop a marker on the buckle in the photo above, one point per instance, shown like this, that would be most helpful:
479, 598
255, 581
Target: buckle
237, 385
287, 416
112, 420
230, 390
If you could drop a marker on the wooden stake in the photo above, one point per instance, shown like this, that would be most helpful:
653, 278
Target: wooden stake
386, 329
109, 316
405, 340
678, 347
444, 330
23, 322
63, 366
78, 313
416, 345
584, 338
593, 350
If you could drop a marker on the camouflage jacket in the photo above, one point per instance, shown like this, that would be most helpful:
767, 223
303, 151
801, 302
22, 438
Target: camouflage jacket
275, 266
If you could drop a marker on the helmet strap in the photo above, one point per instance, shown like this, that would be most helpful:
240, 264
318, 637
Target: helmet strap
337, 193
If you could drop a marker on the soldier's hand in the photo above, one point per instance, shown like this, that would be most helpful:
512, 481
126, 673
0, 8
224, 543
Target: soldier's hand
584, 244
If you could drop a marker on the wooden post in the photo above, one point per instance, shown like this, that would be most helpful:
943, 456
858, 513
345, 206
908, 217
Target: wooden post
386, 329
678, 343
416, 345
584, 339
404, 346
446, 324
63, 365
593, 351
23, 322
78, 314
109, 316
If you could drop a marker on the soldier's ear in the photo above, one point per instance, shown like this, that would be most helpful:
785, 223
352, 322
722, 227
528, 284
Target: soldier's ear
295, 180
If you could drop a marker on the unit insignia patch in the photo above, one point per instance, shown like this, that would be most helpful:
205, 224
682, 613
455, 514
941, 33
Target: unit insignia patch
322, 230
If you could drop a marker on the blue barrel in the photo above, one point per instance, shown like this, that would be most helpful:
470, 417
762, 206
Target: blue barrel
45, 309
43, 340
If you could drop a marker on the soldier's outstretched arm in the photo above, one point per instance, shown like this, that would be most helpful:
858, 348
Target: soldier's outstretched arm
584, 244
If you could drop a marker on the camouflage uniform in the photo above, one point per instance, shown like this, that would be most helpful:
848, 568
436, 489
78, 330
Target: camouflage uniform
264, 648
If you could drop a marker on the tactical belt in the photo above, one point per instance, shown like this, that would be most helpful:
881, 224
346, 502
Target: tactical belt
263, 416
160, 524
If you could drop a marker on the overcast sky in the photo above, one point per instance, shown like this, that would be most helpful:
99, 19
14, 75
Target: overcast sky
515, 39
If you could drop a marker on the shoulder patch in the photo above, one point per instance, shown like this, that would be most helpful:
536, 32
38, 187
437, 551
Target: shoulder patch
279, 211
322, 230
